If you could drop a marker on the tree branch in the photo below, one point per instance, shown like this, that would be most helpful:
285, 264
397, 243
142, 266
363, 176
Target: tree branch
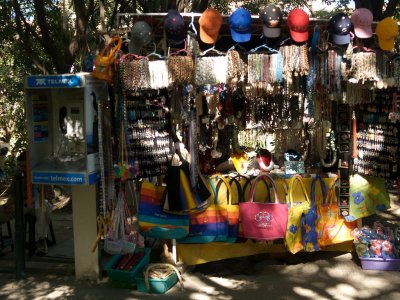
114, 15
24, 34
79, 43
391, 8
377, 9
62, 61
375, 6
199, 5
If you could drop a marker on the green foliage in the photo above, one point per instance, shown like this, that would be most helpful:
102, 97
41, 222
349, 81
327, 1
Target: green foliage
254, 5
13, 68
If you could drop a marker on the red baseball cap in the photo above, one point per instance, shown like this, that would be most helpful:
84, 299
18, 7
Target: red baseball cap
297, 22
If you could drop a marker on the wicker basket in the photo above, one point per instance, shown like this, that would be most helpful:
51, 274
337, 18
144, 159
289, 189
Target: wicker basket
148, 283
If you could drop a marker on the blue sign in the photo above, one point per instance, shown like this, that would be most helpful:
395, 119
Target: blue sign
55, 81
94, 177
58, 178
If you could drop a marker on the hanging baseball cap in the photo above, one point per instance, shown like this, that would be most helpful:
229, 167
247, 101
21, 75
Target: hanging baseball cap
174, 27
141, 35
240, 25
210, 23
297, 22
387, 31
362, 22
271, 17
339, 28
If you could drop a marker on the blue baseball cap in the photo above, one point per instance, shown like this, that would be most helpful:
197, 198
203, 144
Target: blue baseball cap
240, 25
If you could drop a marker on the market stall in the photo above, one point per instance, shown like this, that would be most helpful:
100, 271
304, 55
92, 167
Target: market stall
237, 135
221, 108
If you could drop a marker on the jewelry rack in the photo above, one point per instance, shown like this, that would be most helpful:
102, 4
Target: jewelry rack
148, 138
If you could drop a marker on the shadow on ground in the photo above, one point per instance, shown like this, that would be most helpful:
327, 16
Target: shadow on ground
322, 276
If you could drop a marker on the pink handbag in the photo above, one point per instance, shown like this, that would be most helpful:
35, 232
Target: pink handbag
264, 221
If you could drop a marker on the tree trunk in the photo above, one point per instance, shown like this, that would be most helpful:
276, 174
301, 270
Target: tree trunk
26, 34
199, 5
62, 59
188, 5
79, 42
391, 8
377, 7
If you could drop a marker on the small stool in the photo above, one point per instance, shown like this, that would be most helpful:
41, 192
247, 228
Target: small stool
6, 240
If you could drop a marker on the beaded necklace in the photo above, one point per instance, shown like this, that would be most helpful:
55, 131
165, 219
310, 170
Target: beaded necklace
134, 73
180, 70
236, 67
364, 66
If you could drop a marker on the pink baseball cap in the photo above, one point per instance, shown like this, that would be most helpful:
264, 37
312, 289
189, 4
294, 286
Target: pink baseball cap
362, 21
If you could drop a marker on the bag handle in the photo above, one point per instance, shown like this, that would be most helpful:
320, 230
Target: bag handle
268, 178
213, 189
163, 267
297, 178
133, 56
323, 189
241, 191
331, 194
238, 188
221, 179
110, 48
248, 182
277, 178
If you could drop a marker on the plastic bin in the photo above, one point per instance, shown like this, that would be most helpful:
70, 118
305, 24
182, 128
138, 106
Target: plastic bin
388, 264
156, 286
123, 276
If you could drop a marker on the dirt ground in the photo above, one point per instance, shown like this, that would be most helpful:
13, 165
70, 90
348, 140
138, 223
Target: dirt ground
323, 276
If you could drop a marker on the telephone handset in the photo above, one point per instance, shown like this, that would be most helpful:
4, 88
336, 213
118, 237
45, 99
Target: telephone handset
94, 103
70, 118
62, 120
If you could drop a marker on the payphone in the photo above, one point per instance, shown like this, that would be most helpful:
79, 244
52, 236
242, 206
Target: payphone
64, 150
62, 128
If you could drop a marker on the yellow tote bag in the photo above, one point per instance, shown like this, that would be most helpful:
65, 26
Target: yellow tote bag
332, 228
297, 207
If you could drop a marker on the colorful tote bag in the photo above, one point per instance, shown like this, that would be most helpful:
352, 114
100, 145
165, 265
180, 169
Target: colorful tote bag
121, 235
181, 198
210, 225
332, 228
263, 221
231, 207
153, 221
309, 219
297, 208
368, 195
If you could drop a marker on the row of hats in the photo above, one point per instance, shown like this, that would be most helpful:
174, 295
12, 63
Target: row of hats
240, 22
